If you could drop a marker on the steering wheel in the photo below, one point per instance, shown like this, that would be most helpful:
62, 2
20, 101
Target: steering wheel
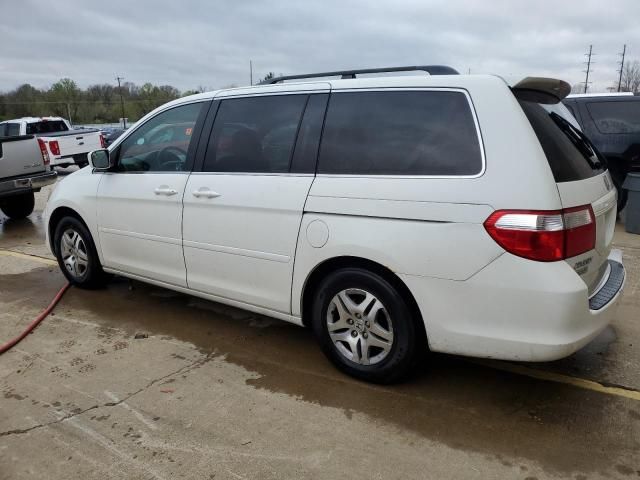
170, 158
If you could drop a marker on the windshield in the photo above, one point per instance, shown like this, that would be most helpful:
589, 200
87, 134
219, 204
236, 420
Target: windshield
569, 152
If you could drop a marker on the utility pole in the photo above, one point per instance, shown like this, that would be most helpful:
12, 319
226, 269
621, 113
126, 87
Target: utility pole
124, 120
588, 62
250, 72
69, 113
624, 51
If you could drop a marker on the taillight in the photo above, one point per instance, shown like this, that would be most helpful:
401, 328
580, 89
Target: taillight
43, 151
54, 146
102, 142
545, 236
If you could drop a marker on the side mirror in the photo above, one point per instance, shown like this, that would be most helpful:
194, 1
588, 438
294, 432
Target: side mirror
99, 160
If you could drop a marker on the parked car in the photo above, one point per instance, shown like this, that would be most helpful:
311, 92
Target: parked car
457, 212
110, 134
66, 146
612, 123
24, 169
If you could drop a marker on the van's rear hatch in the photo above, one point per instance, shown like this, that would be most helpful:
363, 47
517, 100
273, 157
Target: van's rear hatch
580, 173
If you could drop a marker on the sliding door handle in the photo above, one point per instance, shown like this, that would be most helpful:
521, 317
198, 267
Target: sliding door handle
205, 193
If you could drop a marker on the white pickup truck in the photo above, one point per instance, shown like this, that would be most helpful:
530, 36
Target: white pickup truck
24, 169
64, 145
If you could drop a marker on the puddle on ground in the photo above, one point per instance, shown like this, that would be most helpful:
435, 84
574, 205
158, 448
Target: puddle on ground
465, 406
25, 231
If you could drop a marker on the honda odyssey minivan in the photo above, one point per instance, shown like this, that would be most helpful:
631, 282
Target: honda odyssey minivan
457, 213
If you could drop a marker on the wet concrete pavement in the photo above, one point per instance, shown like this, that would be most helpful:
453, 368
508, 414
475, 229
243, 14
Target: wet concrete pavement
208, 391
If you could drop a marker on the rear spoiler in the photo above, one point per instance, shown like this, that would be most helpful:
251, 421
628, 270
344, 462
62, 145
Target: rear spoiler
542, 90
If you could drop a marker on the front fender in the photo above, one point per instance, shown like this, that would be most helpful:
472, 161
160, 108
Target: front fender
77, 192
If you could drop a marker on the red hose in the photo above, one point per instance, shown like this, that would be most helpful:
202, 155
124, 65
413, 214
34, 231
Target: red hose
11, 343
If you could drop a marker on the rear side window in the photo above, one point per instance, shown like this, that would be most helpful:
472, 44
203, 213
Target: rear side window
46, 126
10, 130
400, 133
254, 134
615, 117
569, 152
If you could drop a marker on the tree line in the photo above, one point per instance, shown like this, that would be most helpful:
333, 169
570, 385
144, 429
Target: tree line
95, 104
100, 103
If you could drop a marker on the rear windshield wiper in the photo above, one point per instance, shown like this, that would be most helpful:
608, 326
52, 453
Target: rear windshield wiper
579, 139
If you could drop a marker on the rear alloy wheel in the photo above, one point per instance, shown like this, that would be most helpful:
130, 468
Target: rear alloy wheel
360, 326
365, 327
76, 254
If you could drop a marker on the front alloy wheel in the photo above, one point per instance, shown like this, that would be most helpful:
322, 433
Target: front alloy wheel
74, 253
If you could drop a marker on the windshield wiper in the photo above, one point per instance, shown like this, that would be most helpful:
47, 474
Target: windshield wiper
579, 139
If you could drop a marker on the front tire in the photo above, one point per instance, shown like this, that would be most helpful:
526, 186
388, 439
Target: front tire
365, 327
76, 254
19, 206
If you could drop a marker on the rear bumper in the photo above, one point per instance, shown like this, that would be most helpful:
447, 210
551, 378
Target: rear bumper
26, 183
516, 309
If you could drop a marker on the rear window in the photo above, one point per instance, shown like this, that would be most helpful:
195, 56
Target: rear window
46, 126
570, 154
9, 129
615, 117
400, 133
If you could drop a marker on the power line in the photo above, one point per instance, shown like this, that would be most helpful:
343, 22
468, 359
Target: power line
624, 51
588, 70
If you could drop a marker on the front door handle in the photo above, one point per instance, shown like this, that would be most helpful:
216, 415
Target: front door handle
205, 192
165, 190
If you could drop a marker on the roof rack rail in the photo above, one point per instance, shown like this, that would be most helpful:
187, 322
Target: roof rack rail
430, 69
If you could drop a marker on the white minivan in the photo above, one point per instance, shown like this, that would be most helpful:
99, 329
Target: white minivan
391, 214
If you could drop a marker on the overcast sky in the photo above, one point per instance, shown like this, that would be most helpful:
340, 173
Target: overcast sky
196, 43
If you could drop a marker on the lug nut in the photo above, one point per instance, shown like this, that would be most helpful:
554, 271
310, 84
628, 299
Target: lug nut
358, 315
354, 333
367, 324
365, 334
350, 321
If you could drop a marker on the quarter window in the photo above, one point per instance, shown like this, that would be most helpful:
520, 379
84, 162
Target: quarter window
254, 134
162, 143
400, 133
11, 129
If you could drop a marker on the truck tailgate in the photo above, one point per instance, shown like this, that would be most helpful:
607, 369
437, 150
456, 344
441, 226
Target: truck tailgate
74, 142
20, 156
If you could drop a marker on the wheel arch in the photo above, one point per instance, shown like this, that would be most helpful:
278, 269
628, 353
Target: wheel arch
58, 214
329, 265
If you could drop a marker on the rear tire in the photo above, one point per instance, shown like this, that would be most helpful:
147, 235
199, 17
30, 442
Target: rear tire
76, 254
365, 327
19, 206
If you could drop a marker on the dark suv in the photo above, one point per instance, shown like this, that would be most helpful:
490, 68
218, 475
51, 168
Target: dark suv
612, 123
